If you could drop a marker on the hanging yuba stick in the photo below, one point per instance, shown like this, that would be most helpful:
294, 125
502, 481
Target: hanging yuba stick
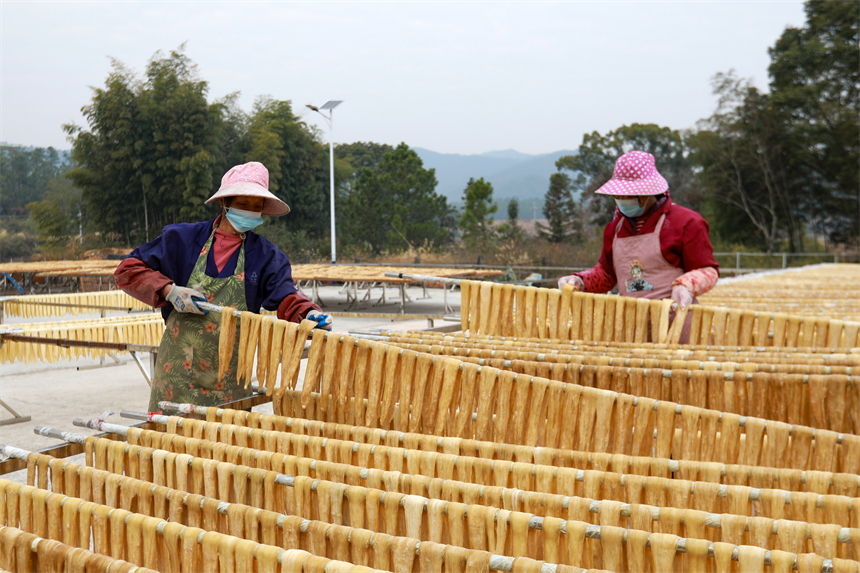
499, 563
754, 493
674, 465
17, 453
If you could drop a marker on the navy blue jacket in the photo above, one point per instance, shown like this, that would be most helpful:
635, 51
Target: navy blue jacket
268, 275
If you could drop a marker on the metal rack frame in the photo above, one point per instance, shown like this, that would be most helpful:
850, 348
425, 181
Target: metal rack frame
68, 449
132, 349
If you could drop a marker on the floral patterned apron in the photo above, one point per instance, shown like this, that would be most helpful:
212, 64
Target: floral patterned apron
643, 272
187, 366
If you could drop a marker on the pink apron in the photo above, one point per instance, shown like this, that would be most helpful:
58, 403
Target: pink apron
643, 272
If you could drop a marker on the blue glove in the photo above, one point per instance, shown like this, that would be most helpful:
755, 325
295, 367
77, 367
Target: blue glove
185, 299
323, 320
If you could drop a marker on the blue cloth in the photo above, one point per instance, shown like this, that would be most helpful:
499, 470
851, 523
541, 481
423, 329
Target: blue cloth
268, 275
14, 282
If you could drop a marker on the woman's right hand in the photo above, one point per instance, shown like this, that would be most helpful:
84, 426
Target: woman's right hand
572, 280
185, 299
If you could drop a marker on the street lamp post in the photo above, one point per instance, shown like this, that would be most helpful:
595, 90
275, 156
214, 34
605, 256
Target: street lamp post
330, 105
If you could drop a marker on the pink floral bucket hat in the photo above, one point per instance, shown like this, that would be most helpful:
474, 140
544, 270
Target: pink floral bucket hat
251, 179
635, 174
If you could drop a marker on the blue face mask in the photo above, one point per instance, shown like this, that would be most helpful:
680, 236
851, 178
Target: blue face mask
244, 221
630, 207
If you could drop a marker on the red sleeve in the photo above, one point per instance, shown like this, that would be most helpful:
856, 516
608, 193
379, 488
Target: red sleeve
597, 280
138, 280
696, 249
295, 307
605, 260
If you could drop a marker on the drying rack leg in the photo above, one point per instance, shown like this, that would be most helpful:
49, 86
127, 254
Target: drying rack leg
142, 369
16, 419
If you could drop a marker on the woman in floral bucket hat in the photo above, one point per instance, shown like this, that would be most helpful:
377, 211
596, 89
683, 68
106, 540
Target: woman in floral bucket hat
221, 261
652, 248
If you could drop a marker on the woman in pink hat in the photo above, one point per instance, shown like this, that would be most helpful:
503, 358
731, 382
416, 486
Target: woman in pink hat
221, 261
652, 248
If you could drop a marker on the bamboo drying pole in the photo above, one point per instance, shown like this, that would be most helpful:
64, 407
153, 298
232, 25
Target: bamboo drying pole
11, 336
215, 308
75, 305
424, 278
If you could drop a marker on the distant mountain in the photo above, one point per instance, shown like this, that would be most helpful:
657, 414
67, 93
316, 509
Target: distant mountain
507, 154
513, 174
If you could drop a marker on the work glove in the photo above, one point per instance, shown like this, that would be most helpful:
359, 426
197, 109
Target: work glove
572, 280
682, 297
323, 320
185, 299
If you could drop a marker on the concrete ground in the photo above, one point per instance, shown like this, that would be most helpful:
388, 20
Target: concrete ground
54, 394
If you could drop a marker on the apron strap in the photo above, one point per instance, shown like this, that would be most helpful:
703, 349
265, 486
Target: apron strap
656, 230
618, 227
660, 224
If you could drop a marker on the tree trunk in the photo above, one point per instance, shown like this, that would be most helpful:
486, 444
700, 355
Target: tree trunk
145, 216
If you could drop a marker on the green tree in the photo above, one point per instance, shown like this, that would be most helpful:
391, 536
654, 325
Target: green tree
32, 177
18, 238
58, 217
233, 133
350, 160
513, 210
815, 79
476, 223
510, 230
297, 163
155, 149
560, 210
595, 160
356, 156
105, 156
149, 155
176, 160
742, 152
24, 176
395, 206
775, 163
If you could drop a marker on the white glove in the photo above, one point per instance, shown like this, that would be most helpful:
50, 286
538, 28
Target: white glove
682, 297
572, 280
316, 315
183, 299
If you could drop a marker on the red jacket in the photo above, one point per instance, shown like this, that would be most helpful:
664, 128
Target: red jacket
684, 243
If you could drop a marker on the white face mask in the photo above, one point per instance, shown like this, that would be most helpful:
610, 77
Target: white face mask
252, 214
630, 207
243, 221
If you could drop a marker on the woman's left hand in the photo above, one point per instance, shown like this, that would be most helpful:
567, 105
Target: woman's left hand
323, 323
573, 280
682, 297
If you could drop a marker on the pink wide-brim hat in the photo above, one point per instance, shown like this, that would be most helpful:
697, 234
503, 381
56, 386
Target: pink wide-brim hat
635, 174
251, 180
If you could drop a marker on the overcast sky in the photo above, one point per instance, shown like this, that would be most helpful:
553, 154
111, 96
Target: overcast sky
451, 77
